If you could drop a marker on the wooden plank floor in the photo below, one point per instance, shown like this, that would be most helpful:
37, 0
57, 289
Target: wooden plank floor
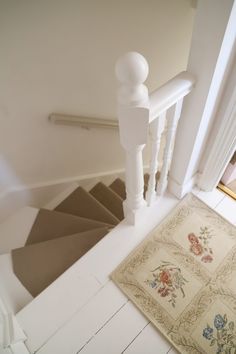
108, 323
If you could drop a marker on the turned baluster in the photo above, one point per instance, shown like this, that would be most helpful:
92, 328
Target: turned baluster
156, 130
173, 115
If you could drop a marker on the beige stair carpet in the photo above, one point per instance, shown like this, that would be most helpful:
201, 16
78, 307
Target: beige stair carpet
118, 186
82, 203
109, 199
50, 224
38, 265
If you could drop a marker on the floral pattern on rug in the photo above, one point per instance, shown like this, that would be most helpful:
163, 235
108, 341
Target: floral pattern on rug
200, 244
168, 280
200, 318
222, 334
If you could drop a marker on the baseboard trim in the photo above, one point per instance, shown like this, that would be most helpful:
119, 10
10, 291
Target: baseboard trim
38, 195
180, 190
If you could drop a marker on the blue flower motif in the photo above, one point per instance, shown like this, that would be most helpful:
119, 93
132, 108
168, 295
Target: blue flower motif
153, 284
208, 332
219, 322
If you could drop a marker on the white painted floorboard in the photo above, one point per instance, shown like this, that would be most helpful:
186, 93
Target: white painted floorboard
116, 335
148, 342
227, 208
55, 306
105, 321
88, 321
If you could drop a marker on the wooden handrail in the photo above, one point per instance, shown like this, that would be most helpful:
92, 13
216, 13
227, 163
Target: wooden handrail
84, 122
167, 95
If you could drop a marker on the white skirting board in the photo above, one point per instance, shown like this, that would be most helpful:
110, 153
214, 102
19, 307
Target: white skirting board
42, 194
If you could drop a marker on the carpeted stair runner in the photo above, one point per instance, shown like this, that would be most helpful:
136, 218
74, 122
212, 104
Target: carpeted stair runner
109, 199
118, 186
50, 224
59, 237
38, 265
82, 203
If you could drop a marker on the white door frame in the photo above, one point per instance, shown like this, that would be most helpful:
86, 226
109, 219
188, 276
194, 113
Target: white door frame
211, 55
223, 140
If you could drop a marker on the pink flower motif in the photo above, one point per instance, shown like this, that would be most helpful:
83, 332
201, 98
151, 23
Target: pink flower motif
193, 238
199, 245
165, 277
207, 259
196, 248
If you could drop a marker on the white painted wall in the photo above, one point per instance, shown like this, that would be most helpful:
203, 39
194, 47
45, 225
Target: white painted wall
59, 56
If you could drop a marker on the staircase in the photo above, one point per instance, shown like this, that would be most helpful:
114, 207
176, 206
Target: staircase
61, 236
54, 239
57, 259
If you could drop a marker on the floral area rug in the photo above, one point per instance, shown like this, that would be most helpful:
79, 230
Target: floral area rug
183, 278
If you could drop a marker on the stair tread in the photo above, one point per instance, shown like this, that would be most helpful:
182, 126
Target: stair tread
82, 203
118, 186
109, 199
38, 265
51, 224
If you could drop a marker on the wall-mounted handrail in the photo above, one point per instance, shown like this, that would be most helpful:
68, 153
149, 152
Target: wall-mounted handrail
83, 122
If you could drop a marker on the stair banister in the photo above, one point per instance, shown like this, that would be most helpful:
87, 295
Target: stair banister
170, 93
140, 113
133, 116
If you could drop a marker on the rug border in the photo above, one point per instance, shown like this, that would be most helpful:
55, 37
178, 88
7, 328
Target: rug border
112, 274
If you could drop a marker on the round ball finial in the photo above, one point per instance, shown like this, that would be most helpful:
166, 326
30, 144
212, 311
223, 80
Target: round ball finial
132, 68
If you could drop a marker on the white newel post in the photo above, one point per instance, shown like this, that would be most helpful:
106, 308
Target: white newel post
133, 115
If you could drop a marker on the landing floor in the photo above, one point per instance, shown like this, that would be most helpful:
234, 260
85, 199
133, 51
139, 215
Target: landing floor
106, 322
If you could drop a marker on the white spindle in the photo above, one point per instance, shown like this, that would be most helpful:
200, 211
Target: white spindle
156, 130
133, 115
173, 115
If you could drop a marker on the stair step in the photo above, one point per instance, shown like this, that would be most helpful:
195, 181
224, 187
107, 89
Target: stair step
61, 196
51, 224
109, 199
82, 203
38, 265
118, 186
57, 305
